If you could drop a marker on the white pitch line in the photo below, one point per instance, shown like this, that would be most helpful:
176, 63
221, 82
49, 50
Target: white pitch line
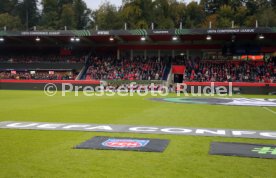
269, 110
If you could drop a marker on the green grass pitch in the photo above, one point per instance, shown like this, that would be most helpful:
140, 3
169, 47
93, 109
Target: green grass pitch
49, 154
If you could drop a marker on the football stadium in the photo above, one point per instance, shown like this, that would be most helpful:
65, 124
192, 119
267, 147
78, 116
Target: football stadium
137, 88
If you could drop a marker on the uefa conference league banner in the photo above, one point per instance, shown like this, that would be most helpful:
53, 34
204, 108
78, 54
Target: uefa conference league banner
140, 32
235, 133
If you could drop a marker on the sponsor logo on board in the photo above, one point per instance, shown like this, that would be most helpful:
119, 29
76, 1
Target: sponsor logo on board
125, 143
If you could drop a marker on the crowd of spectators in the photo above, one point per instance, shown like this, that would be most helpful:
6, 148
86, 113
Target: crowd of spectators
196, 70
125, 69
36, 76
42, 59
231, 71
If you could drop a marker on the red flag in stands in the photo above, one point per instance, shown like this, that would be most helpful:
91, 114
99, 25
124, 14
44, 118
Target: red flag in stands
177, 69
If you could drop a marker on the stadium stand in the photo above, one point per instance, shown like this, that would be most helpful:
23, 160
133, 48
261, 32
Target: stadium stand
110, 68
45, 67
125, 69
230, 71
196, 70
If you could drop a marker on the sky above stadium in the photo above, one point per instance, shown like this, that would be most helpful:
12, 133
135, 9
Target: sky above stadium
94, 4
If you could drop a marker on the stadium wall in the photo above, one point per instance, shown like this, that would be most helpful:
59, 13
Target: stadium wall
237, 87
40, 84
241, 87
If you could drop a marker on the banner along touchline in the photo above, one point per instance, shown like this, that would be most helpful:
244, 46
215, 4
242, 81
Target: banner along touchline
234, 133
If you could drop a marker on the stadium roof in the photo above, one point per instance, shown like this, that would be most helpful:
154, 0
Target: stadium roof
153, 39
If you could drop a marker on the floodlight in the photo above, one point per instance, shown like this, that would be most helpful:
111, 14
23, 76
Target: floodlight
143, 38
174, 38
